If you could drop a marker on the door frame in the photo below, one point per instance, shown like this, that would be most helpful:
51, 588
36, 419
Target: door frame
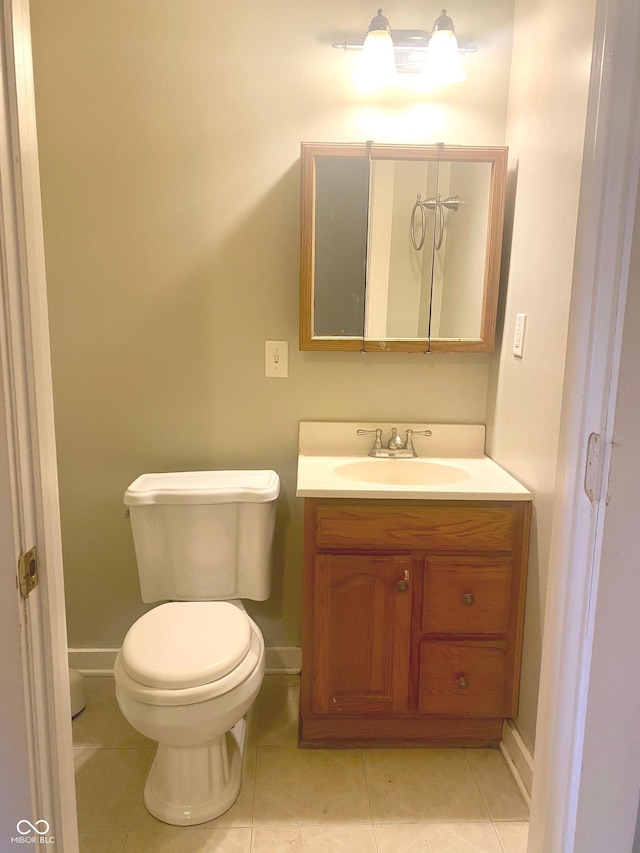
609, 189
40, 685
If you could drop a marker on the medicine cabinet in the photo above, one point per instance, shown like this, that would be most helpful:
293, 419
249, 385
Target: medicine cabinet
400, 247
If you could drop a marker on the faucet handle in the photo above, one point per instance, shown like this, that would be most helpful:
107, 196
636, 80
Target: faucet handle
377, 432
410, 433
377, 444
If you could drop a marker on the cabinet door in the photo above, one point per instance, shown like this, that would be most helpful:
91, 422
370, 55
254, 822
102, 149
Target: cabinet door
362, 607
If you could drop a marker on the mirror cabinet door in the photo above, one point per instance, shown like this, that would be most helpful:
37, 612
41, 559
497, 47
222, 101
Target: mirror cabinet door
340, 243
400, 247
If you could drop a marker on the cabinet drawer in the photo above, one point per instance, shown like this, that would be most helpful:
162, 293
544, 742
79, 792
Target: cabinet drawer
463, 679
466, 595
440, 528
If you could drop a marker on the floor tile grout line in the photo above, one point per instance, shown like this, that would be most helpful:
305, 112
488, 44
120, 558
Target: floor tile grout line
124, 843
255, 781
366, 787
478, 786
485, 801
495, 832
139, 799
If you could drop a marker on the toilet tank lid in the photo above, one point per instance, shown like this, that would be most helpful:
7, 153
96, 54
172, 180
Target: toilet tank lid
203, 487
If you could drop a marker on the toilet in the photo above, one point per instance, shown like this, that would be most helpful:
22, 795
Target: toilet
190, 668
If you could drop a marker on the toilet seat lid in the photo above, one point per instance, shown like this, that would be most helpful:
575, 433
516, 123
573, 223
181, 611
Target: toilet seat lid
186, 644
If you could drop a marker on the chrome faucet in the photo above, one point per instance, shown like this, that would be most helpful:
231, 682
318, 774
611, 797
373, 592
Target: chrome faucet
396, 448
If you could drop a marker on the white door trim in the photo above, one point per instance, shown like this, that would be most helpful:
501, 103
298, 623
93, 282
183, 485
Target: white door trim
605, 224
31, 437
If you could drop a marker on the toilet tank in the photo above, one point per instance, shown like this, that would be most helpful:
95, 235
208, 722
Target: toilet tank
203, 535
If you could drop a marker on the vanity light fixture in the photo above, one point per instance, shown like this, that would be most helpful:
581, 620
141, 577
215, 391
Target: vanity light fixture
377, 64
386, 53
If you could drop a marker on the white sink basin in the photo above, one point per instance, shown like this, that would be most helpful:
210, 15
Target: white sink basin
451, 465
401, 472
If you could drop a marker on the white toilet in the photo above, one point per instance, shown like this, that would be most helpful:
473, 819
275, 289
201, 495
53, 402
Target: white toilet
189, 670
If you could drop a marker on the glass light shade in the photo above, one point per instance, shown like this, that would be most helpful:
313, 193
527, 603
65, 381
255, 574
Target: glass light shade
442, 64
376, 65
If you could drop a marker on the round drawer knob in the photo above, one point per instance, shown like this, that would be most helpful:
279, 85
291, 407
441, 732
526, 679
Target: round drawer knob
469, 599
462, 682
402, 586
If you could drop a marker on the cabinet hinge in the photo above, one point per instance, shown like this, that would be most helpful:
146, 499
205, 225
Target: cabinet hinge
28, 571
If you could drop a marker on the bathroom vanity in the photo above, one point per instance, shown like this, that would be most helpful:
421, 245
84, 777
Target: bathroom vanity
414, 587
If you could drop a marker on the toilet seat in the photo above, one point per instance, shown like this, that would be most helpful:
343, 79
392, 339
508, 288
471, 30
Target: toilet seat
127, 662
186, 643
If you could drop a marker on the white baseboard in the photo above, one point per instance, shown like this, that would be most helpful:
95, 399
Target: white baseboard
280, 660
93, 661
518, 758
283, 660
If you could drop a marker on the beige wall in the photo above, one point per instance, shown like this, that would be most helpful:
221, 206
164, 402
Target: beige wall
545, 134
169, 142
169, 153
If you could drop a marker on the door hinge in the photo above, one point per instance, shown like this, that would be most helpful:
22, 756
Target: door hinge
28, 571
593, 468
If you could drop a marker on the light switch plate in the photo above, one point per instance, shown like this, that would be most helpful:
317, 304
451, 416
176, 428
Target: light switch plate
518, 336
276, 359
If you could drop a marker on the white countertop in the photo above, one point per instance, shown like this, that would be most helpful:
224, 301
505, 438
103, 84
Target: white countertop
333, 462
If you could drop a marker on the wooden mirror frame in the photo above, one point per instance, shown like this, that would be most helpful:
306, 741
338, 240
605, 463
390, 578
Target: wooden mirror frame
497, 157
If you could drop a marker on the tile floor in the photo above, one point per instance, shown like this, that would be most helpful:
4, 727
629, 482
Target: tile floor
316, 801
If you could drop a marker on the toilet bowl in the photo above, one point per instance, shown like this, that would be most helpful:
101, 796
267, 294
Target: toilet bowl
189, 690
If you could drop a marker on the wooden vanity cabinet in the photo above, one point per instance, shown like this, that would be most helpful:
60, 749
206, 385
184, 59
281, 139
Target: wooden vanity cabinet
412, 624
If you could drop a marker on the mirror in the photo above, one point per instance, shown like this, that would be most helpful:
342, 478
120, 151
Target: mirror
400, 247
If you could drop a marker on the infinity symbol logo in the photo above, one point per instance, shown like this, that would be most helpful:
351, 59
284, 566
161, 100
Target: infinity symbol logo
40, 826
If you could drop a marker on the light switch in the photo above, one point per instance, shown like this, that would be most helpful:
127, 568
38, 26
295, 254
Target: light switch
518, 335
276, 359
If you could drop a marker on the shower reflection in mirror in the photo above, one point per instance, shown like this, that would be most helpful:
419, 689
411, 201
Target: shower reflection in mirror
407, 266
